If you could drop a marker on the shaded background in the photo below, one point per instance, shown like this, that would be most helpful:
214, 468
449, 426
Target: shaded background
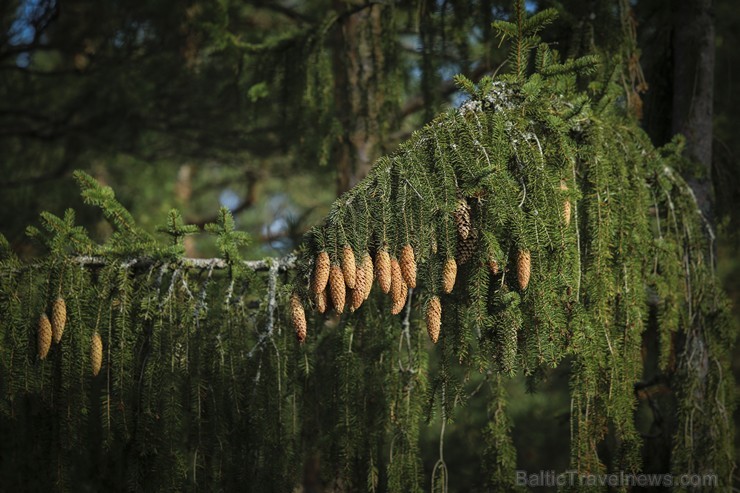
274, 108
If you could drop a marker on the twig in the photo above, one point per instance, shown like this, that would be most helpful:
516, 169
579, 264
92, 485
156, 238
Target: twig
283, 263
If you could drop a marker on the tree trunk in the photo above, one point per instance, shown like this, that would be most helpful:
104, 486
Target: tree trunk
693, 90
693, 93
359, 63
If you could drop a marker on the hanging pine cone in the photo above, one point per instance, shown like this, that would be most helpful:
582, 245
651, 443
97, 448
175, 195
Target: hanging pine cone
408, 266
383, 270
321, 301
493, 266
462, 218
357, 295
466, 249
367, 266
523, 268
321, 272
434, 318
399, 289
58, 318
43, 336
566, 205
349, 269
96, 354
298, 316
448, 275
338, 288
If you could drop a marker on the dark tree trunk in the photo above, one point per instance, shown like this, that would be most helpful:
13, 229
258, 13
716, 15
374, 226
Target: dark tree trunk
693, 94
693, 89
358, 69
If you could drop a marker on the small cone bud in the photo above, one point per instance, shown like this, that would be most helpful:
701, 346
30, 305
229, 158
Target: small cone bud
367, 266
298, 316
434, 318
96, 354
449, 275
358, 294
408, 266
338, 289
383, 270
349, 269
43, 336
321, 272
566, 205
58, 318
321, 301
493, 266
399, 289
462, 218
523, 268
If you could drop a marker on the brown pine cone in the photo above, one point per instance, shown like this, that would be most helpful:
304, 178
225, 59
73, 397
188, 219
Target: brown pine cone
321, 301
43, 336
523, 268
96, 354
383, 270
466, 249
338, 289
434, 318
357, 295
298, 317
367, 266
566, 205
58, 318
349, 269
399, 289
449, 275
462, 218
493, 266
321, 273
408, 266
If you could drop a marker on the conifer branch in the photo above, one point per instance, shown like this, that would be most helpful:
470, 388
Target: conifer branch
283, 264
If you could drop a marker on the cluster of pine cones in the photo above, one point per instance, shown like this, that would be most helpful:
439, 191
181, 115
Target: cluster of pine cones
53, 329
350, 283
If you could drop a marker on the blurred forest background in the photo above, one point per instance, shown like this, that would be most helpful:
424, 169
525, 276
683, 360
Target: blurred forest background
273, 108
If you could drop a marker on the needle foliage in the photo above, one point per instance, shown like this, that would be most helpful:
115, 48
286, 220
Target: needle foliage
203, 385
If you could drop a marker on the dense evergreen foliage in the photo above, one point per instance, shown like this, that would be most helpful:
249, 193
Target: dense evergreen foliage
203, 385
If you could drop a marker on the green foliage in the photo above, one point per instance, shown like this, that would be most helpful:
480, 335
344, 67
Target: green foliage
204, 386
517, 151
